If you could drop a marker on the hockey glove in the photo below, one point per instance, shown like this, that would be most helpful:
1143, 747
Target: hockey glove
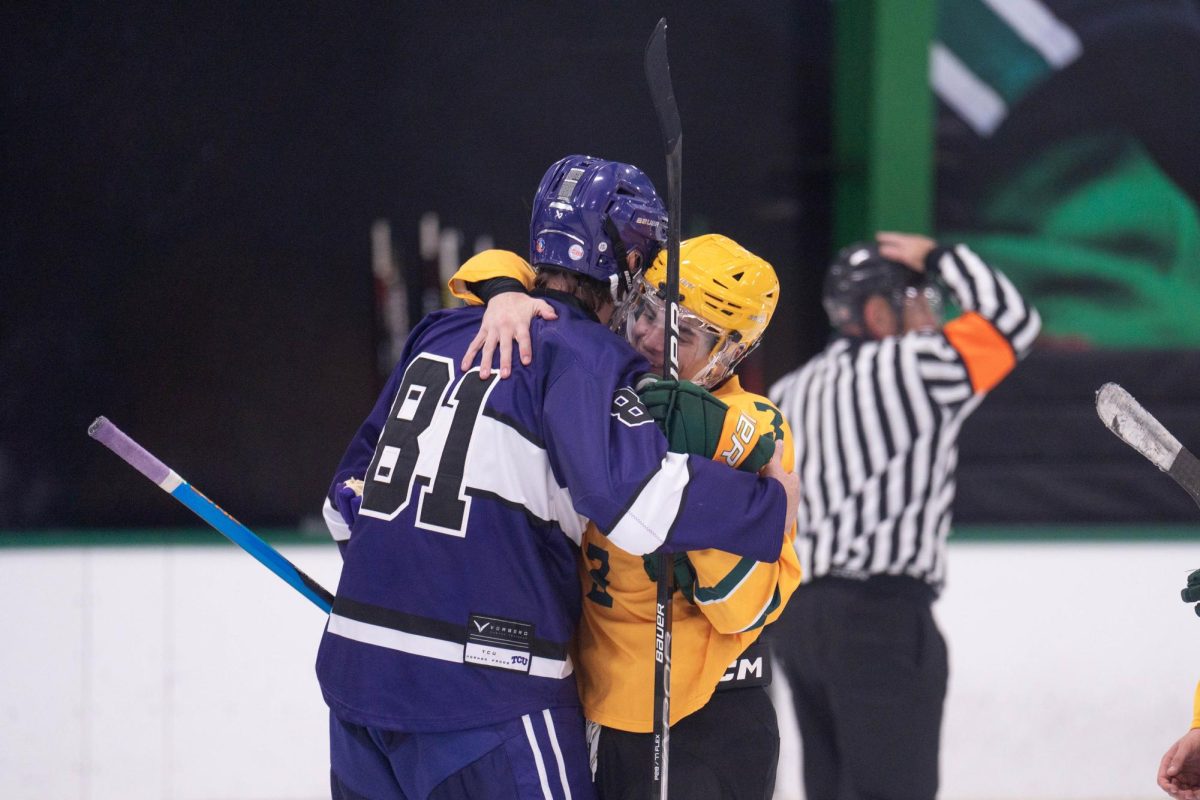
1191, 594
348, 499
685, 573
760, 454
689, 416
693, 421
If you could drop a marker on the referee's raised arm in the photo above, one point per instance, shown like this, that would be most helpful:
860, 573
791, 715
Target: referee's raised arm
876, 417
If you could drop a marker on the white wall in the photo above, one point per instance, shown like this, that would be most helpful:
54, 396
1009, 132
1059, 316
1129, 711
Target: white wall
1072, 668
173, 673
186, 673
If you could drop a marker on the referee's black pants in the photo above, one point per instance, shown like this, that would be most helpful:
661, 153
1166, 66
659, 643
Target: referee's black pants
867, 667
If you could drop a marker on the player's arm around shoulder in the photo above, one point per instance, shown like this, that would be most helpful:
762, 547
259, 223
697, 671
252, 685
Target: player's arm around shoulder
485, 266
739, 594
500, 279
643, 494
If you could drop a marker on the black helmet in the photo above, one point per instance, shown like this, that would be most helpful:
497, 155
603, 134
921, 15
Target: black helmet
859, 272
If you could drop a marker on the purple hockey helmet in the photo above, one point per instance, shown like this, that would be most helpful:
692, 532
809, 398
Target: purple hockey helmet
582, 203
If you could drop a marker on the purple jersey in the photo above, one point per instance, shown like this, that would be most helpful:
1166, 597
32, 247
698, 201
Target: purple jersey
459, 593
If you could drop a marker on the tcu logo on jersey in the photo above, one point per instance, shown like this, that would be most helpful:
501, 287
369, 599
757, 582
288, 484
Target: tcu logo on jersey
743, 434
628, 408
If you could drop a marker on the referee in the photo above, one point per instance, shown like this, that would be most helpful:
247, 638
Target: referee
876, 417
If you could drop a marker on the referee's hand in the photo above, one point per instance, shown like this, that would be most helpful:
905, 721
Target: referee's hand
908, 249
791, 484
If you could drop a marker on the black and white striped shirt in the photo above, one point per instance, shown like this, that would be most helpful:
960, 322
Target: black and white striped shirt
876, 426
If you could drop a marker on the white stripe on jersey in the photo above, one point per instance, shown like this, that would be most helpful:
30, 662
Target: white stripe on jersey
1014, 311
949, 395
537, 756
429, 647
942, 371
868, 414
504, 463
956, 281
338, 528
987, 299
1024, 340
919, 473
558, 756
644, 527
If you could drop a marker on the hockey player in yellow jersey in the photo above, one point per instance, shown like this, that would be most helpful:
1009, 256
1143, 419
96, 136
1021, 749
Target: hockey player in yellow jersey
724, 738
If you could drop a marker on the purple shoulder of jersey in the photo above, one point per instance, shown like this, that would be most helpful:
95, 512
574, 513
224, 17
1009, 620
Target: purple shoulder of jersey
476, 495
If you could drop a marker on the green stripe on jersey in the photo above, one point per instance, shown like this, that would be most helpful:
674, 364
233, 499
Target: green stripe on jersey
726, 585
774, 604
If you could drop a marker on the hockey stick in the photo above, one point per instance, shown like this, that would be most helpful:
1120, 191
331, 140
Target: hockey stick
169, 481
1135, 426
658, 76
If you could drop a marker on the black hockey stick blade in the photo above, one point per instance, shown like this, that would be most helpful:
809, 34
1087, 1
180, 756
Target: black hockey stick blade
1138, 428
662, 93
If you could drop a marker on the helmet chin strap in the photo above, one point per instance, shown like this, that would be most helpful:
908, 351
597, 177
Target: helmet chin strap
620, 254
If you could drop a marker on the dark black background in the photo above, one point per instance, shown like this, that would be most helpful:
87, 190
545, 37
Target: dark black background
188, 191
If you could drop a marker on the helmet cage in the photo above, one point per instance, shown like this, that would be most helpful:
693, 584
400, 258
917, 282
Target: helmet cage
721, 354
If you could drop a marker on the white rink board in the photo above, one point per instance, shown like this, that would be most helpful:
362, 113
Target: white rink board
186, 673
1072, 668
173, 673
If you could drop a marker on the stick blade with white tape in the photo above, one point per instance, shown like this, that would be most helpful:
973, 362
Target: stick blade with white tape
1137, 427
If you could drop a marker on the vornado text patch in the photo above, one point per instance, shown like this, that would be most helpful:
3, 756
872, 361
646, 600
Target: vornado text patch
499, 643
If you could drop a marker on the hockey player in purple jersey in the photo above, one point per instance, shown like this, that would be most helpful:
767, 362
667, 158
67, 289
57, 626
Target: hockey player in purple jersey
446, 661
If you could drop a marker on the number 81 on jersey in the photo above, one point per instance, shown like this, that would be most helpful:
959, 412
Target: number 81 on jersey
425, 440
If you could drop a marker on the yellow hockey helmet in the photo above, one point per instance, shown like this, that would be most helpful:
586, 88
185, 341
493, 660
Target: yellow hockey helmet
725, 289
723, 283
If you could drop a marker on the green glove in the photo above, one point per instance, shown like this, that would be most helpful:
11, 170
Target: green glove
692, 420
1192, 593
760, 454
685, 573
690, 417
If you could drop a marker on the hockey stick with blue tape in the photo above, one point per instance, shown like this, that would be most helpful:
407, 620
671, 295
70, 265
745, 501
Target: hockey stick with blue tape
170, 482
662, 93
1138, 428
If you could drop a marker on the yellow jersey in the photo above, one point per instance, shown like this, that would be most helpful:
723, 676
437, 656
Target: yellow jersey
735, 597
